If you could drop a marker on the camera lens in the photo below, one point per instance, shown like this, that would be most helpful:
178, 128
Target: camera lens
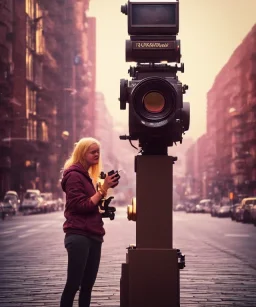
154, 102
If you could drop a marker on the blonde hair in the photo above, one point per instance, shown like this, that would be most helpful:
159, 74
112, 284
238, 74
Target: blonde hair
78, 155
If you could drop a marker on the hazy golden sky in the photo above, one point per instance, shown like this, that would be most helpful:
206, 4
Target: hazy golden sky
210, 30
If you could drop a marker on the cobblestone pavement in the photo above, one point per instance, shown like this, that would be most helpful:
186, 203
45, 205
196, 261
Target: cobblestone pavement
220, 261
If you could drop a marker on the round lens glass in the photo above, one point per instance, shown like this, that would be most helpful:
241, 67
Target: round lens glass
154, 102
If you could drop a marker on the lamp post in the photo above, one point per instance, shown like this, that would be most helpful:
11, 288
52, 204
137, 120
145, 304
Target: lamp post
64, 144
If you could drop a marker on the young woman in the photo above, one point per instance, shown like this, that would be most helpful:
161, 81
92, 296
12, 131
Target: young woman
83, 226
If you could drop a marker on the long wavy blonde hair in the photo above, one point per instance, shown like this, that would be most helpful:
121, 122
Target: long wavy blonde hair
78, 155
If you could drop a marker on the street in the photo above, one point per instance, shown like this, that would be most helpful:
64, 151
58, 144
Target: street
220, 260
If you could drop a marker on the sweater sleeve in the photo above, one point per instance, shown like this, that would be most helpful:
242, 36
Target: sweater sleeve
78, 199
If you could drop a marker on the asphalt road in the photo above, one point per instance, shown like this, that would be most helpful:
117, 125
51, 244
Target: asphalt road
220, 260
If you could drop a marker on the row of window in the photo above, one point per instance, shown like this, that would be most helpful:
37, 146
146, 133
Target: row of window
30, 8
36, 131
34, 26
34, 69
34, 35
35, 42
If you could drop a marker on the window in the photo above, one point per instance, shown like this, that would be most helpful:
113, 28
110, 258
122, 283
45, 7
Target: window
30, 101
32, 130
30, 33
38, 72
29, 131
30, 24
29, 66
40, 46
30, 8
44, 132
30, 195
31, 110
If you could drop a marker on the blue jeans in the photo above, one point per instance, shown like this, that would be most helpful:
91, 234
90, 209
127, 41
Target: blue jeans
83, 264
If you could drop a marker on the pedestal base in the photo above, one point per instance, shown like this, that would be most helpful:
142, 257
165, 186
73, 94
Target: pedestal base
150, 278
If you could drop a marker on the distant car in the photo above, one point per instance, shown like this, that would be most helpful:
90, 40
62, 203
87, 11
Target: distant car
49, 204
224, 211
243, 211
199, 209
7, 209
215, 208
190, 207
204, 206
13, 197
233, 210
32, 202
253, 212
179, 207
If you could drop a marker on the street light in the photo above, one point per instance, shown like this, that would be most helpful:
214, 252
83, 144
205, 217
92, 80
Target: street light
231, 110
65, 135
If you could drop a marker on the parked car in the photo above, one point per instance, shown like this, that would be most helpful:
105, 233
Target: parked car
191, 202
179, 207
215, 208
224, 210
13, 197
49, 205
32, 202
199, 208
7, 208
253, 212
243, 211
204, 206
190, 207
233, 210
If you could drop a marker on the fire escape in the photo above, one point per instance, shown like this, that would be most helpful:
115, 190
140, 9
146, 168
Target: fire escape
6, 84
240, 165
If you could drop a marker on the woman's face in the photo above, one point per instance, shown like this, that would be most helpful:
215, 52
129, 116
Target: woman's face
92, 155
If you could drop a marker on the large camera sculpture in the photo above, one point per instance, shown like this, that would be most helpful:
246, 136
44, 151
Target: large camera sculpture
158, 118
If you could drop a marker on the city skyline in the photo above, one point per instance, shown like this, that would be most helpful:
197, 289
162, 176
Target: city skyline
206, 47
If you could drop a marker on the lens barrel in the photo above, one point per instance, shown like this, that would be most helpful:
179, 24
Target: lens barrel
154, 100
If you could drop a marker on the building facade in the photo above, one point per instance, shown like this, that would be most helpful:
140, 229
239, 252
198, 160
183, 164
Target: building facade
6, 92
6, 88
44, 81
230, 144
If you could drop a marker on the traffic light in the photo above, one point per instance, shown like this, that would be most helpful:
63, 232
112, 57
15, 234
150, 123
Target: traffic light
231, 195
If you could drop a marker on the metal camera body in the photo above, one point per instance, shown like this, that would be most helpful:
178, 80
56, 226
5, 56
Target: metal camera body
157, 114
158, 117
164, 128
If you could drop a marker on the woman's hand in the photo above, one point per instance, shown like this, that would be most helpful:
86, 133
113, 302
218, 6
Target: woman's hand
110, 181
